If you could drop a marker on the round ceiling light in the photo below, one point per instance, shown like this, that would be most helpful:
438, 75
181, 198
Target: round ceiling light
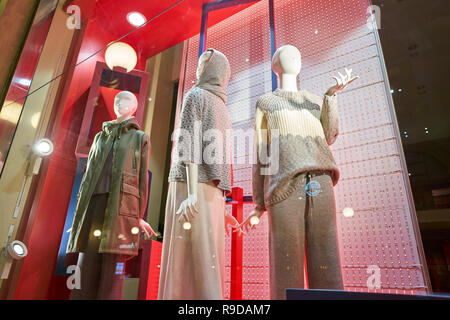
136, 19
121, 54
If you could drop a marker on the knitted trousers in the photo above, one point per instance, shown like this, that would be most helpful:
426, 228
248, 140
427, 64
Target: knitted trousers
304, 225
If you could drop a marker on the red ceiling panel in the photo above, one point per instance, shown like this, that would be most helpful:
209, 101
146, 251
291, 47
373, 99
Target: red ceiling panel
178, 24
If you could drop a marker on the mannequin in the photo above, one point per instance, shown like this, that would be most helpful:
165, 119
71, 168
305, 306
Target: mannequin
111, 203
299, 197
192, 265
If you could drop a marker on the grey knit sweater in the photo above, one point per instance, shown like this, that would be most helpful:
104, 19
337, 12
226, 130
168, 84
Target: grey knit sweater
204, 130
303, 126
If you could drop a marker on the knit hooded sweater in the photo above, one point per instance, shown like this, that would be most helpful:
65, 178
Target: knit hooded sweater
203, 134
293, 134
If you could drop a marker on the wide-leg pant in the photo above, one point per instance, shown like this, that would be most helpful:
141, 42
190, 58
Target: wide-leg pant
305, 225
193, 261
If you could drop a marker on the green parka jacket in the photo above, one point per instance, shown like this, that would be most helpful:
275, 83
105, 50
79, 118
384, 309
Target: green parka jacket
127, 200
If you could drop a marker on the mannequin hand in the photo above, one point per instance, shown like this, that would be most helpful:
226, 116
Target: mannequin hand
342, 82
146, 228
188, 208
230, 221
247, 224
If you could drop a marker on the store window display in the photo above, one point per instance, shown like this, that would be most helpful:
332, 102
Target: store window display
193, 257
299, 196
341, 196
111, 203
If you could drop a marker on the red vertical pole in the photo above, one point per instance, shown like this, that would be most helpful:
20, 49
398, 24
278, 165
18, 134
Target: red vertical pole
236, 246
149, 270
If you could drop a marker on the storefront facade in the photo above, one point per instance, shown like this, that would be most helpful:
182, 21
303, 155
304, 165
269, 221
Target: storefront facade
63, 90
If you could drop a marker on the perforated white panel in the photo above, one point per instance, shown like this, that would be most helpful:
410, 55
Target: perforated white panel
331, 35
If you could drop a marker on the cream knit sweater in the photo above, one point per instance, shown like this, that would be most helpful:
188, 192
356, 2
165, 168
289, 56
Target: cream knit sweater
295, 129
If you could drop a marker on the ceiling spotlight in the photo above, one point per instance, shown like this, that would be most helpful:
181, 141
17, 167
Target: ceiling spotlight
15, 250
136, 19
43, 148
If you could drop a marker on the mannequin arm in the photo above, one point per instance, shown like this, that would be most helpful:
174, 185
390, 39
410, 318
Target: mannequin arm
192, 178
143, 187
329, 118
329, 112
258, 178
188, 207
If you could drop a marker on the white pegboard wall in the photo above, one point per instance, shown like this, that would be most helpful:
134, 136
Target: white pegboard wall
331, 35
245, 39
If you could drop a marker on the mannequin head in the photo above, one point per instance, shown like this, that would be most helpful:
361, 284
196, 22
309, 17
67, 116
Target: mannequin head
287, 60
213, 72
201, 62
125, 104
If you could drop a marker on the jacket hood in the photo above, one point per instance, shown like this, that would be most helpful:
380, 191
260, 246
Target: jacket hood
215, 74
109, 126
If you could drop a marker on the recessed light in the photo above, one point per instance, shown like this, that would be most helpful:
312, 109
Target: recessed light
43, 148
136, 19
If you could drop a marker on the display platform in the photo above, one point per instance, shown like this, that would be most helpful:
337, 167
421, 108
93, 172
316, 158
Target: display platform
315, 294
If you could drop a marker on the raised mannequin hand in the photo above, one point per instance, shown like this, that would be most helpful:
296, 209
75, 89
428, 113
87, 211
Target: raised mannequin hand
146, 228
249, 223
189, 206
342, 82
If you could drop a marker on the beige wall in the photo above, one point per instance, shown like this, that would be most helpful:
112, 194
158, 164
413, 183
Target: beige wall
164, 71
15, 21
14, 184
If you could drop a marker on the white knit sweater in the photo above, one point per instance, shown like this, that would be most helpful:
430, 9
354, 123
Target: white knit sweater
306, 124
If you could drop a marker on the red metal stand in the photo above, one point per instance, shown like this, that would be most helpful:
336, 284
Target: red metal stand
236, 246
149, 270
